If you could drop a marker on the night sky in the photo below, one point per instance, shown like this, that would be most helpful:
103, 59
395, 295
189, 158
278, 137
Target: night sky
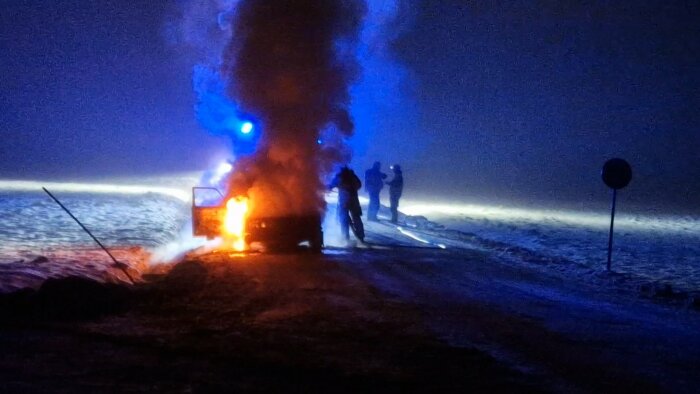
518, 101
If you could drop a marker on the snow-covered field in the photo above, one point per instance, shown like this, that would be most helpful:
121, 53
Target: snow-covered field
38, 240
647, 249
33, 224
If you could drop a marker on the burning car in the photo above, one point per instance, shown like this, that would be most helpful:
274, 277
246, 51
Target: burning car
229, 219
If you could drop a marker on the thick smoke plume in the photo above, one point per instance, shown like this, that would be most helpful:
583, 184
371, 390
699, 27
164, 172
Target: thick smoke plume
290, 63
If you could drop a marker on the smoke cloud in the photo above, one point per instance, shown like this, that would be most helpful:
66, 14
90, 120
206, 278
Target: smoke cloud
384, 108
200, 28
290, 64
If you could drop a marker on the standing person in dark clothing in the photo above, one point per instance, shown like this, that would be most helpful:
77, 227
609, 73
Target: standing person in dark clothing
374, 182
395, 190
349, 210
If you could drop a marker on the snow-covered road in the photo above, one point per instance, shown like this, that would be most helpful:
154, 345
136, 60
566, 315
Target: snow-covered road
572, 332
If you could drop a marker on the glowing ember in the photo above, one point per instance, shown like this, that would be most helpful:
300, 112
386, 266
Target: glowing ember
234, 222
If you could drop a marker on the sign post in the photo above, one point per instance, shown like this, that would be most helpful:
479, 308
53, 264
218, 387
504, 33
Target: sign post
617, 174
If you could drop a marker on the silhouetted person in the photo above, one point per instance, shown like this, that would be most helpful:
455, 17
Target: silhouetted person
374, 182
349, 210
395, 190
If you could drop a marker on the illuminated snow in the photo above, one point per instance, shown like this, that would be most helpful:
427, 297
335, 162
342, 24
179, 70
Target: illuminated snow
666, 223
182, 194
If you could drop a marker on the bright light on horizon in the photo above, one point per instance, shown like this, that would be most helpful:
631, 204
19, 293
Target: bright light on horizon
514, 214
434, 211
75, 187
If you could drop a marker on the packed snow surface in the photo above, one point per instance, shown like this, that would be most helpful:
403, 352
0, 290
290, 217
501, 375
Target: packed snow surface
659, 248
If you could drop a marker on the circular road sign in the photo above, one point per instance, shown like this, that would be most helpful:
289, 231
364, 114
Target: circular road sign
617, 173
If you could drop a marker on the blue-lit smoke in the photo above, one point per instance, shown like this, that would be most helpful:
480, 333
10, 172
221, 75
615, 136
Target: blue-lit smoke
383, 105
220, 115
291, 64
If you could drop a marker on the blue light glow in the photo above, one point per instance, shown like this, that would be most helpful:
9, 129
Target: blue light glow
217, 113
246, 127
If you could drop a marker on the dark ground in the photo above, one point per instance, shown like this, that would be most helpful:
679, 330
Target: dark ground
394, 317
289, 323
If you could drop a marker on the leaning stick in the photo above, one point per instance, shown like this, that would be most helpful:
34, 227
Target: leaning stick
117, 264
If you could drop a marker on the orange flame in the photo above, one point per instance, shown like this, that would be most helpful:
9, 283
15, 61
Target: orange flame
234, 221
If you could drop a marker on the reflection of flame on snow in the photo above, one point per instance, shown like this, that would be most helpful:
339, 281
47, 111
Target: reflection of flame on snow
234, 222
